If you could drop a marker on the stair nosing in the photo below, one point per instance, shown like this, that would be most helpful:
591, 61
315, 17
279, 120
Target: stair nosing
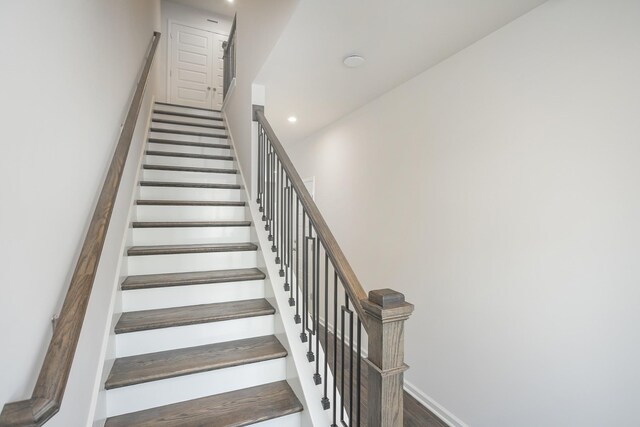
189, 169
189, 224
219, 203
153, 140
256, 312
166, 280
148, 183
187, 132
188, 155
265, 341
191, 116
177, 122
287, 404
211, 110
190, 249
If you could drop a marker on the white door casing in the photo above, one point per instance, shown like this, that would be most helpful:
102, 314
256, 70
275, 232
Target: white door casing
195, 67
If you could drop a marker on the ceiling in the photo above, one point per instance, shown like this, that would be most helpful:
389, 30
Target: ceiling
220, 7
304, 74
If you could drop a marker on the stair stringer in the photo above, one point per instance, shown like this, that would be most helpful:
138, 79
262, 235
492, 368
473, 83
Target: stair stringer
299, 370
98, 412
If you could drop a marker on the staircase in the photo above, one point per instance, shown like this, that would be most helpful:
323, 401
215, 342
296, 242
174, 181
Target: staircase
195, 343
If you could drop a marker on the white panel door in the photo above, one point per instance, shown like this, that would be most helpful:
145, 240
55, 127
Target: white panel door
218, 70
195, 68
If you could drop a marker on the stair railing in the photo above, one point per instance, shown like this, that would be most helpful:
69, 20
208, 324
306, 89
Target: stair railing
229, 58
331, 307
49, 391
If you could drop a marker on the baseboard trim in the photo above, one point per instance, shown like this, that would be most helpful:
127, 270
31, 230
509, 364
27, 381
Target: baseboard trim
433, 406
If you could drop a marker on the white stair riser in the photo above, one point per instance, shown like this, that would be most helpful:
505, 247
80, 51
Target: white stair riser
188, 138
188, 119
180, 296
182, 263
154, 340
188, 128
187, 161
189, 149
191, 235
188, 193
190, 213
293, 420
180, 176
187, 110
164, 392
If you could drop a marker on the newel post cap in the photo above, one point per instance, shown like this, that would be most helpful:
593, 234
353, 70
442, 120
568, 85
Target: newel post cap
387, 305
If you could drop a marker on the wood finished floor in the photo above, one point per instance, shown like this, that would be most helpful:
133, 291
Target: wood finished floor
415, 415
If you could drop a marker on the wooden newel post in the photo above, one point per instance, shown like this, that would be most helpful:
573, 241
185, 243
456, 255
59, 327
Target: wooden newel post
386, 311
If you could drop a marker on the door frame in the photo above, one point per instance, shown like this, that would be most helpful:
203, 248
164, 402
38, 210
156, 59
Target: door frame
170, 24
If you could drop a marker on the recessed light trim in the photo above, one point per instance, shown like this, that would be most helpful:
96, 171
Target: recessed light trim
292, 119
354, 61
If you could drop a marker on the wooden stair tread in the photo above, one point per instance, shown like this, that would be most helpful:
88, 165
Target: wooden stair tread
188, 169
187, 106
188, 155
178, 122
233, 409
147, 202
188, 132
191, 315
127, 371
189, 143
197, 248
190, 185
189, 224
147, 281
159, 110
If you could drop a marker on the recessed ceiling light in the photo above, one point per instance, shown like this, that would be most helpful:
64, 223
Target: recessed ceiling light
292, 119
229, 1
354, 61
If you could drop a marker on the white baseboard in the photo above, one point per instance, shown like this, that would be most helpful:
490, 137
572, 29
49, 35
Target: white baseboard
433, 406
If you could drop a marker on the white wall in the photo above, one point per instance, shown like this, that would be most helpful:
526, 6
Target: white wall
258, 26
185, 15
69, 71
499, 191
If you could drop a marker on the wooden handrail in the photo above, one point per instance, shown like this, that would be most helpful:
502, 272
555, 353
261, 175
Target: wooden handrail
47, 395
342, 267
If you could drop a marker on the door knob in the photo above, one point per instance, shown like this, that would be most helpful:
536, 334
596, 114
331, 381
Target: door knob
209, 88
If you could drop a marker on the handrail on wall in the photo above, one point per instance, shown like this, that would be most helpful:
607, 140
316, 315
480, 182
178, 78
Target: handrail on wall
49, 391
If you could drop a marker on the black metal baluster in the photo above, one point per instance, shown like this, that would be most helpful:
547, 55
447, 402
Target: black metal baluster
280, 257
325, 400
342, 338
267, 227
287, 243
271, 194
276, 203
303, 335
335, 346
265, 156
290, 259
317, 378
351, 393
359, 372
312, 329
259, 176
296, 318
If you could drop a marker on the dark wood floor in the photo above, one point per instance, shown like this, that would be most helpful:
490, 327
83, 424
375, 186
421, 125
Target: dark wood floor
415, 414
